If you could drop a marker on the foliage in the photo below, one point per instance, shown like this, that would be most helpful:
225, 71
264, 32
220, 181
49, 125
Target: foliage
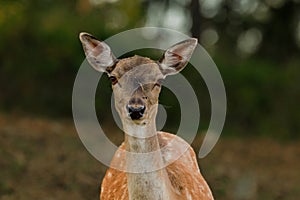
40, 54
40, 51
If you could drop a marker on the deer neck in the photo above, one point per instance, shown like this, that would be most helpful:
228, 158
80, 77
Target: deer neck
149, 180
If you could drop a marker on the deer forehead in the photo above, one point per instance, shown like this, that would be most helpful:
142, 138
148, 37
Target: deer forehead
137, 69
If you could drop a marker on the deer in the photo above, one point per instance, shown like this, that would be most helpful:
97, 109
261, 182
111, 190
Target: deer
136, 85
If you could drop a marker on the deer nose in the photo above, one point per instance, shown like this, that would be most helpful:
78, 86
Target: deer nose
136, 112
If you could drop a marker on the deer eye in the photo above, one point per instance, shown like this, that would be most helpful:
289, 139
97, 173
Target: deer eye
113, 80
158, 83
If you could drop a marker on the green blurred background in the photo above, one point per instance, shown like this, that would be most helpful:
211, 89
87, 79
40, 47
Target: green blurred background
255, 44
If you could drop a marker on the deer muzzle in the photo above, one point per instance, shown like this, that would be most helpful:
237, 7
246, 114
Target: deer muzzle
136, 112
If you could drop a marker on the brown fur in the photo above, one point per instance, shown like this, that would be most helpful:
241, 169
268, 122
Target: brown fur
126, 64
186, 180
136, 83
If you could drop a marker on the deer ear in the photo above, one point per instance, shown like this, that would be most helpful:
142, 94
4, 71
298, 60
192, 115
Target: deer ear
176, 57
97, 53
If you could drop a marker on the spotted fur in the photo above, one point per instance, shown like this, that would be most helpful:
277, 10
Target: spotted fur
184, 174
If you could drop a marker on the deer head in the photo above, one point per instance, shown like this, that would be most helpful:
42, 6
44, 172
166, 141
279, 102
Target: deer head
136, 81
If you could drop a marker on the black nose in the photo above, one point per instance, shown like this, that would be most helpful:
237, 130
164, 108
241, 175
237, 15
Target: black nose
136, 113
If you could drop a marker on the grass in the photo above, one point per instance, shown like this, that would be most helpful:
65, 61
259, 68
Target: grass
44, 159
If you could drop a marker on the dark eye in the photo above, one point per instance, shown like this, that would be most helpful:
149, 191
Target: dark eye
156, 85
113, 79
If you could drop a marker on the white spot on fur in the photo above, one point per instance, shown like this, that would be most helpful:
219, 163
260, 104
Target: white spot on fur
121, 164
164, 137
177, 191
168, 156
188, 196
109, 175
201, 188
123, 195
